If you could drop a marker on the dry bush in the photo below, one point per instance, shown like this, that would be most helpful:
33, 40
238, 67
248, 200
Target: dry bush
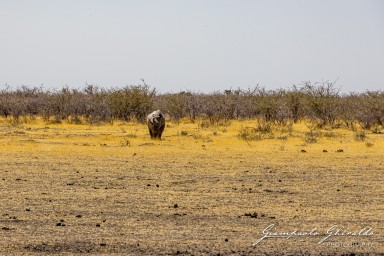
312, 136
330, 135
319, 102
369, 144
249, 133
322, 102
360, 136
184, 133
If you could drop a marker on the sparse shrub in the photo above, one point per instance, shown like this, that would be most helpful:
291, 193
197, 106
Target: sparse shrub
360, 136
131, 101
368, 108
249, 133
205, 124
184, 133
376, 129
125, 143
197, 135
131, 135
330, 135
312, 136
336, 125
263, 126
74, 120
320, 103
369, 144
282, 137
285, 128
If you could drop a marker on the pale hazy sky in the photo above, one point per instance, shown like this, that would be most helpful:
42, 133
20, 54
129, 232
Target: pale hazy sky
200, 45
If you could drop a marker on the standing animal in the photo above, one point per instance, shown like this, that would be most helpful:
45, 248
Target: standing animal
156, 124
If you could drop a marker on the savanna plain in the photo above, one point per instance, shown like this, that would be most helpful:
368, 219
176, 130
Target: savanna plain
204, 189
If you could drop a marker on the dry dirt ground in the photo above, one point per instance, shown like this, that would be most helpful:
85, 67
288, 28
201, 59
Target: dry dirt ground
110, 190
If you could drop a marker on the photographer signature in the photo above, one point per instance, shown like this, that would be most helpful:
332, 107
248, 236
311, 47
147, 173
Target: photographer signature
334, 231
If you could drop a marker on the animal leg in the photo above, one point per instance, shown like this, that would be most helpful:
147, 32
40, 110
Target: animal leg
160, 131
151, 133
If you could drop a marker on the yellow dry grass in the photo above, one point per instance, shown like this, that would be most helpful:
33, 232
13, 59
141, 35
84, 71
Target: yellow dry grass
109, 189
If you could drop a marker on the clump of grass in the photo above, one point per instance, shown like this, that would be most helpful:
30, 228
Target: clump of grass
214, 121
360, 136
376, 129
336, 126
19, 132
75, 120
186, 120
312, 136
369, 144
282, 137
131, 135
286, 127
249, 133
263, 126
125, 143
330, 135
205, 124
55, 120
184, 133
263, 130
198, 136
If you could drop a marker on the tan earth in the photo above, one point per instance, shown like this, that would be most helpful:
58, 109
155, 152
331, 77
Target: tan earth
110, 190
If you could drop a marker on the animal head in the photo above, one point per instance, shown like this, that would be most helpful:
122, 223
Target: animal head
156, 116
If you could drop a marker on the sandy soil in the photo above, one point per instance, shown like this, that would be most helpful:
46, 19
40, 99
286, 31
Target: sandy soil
66, 192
